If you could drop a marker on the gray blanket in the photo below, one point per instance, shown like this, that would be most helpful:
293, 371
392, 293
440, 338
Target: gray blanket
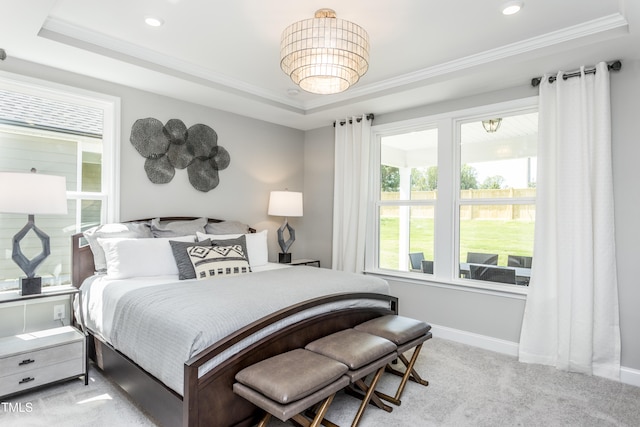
161, 327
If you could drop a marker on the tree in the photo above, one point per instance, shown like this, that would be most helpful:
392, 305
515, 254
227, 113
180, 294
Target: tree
468, 177
389, 178
419, 179
493, 182
432, 178
424, 179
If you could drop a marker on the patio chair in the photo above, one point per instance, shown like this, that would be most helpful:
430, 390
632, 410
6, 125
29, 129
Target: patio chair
482, 258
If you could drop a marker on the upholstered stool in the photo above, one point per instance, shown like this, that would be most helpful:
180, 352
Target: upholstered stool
364, 354
406, 333
287, 384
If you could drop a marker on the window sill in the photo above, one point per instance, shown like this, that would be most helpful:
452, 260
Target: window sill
507, 291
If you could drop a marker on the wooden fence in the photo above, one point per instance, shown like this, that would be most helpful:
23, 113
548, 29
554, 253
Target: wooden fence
506, 211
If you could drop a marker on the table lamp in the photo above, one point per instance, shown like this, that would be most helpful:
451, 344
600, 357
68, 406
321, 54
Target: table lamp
31, 193
286, 204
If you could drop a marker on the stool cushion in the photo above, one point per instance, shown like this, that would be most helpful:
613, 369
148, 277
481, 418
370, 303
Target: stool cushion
353, 348
286, 411
397, 329
362, 372
413, 343
291, 376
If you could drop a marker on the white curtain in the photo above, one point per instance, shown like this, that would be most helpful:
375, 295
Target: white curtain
571, 318
350, 193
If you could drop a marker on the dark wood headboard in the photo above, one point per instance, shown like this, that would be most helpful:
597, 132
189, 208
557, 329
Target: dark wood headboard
82, 265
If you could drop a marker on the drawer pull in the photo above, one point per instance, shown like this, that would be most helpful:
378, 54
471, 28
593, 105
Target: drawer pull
26, 362
26, 380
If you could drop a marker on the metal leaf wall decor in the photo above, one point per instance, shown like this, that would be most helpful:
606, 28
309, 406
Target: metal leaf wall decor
172, 146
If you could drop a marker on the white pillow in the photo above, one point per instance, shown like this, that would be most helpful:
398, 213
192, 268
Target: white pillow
130, 230
140, 257
257, 248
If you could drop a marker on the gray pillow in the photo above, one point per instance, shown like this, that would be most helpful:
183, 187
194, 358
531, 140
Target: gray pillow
242, 241
132, 230
185, 267
226, 227
177, 228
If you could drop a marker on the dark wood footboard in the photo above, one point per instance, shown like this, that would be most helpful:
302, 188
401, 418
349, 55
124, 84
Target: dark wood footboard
210, 401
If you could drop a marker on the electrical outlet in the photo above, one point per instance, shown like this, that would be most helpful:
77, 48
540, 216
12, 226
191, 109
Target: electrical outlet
58, 312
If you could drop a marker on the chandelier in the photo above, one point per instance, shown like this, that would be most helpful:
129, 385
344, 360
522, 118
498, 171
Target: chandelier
324, 55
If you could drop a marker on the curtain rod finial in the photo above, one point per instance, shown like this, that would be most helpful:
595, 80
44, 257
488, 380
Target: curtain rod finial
615, 65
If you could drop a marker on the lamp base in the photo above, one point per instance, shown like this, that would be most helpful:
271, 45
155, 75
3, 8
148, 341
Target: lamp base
30, 285
284, 258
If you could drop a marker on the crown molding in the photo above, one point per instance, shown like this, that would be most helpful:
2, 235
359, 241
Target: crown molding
86, 39
92, 41
601, 26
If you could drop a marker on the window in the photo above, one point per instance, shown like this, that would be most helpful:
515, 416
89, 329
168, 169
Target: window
57, 131
408, 192
497, 196
456, 196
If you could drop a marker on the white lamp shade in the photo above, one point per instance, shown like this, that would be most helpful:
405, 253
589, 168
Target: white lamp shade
285, 203
32, 193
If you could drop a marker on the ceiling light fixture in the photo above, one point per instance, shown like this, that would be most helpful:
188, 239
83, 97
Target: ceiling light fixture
491, 125
324, 55
152, 21
511, 7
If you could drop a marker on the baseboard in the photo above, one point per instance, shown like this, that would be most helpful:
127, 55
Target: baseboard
627, 375
475, 340
630, 376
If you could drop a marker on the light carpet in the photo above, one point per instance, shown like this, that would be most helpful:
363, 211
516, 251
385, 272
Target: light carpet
468, 387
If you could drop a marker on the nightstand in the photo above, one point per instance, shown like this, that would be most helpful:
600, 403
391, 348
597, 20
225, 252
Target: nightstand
37, 358
304, 261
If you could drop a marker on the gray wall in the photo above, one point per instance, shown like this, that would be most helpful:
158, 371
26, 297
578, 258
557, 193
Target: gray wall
625, 107
264, 157
500, 316
318, 189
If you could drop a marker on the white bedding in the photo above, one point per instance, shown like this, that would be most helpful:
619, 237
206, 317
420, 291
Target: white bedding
161, 322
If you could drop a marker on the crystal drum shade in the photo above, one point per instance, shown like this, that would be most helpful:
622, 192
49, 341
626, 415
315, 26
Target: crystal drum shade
324, 55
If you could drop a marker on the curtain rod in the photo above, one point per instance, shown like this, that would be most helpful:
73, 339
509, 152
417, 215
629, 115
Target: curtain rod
359, 119
612, 66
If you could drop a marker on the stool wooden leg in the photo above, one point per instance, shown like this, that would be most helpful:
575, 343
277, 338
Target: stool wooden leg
415, 377
367, 397
265, 420
360, 394
322, 411
318, 415
409, 374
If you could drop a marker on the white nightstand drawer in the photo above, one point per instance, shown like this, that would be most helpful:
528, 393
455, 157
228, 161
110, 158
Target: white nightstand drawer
28, 379
39, 358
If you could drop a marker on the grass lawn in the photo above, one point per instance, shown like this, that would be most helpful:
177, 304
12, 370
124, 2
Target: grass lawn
480, 235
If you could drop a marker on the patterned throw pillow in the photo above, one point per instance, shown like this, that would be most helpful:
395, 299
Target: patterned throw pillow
212, 261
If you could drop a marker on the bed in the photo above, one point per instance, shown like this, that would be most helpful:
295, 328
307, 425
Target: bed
175, 345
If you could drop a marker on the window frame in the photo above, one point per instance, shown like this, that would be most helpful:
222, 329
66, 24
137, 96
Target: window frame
111, 131
110, 106
448, 201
